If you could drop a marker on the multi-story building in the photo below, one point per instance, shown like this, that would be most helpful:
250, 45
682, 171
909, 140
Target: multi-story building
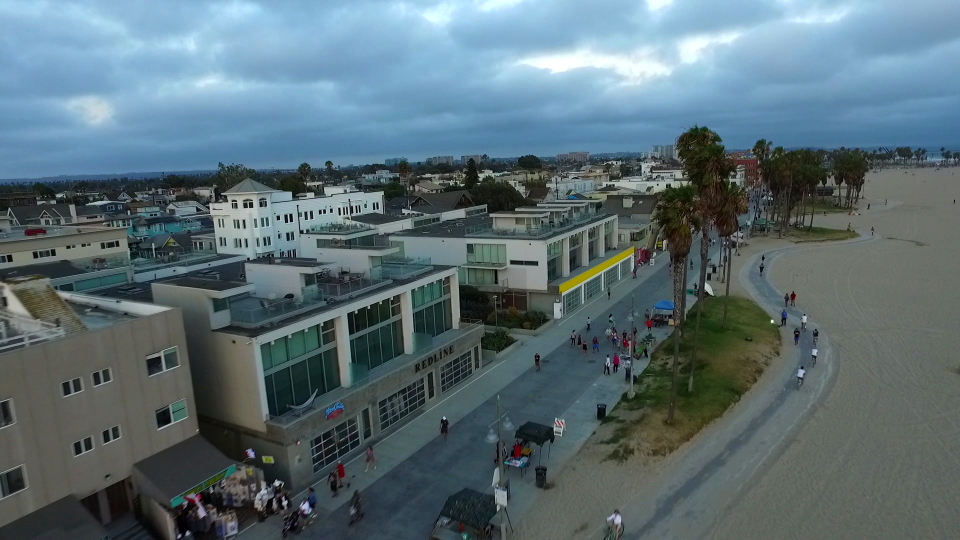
94, 394
393, 162
749, 163
531, 256
76, 258
381, 176
306, 361
477, 159
664, 151
259, 221
574, 157
438, 160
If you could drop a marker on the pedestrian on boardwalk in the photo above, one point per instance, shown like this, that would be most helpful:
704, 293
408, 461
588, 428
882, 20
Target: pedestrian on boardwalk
444, 427
588, 323
579, 340
624, 338
584, 347
786, 299
613, 340
596, 344
573, 338
607, 365
649, 325
796, 336
646, 314
793, 298
608, 292
783, 318
610, 320
627, 367
341, 473
371, 459
616, 363
761, 269
536, 361
334, 483
607, 333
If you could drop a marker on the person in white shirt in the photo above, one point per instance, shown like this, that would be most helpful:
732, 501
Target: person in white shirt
616, 521
803, 322
813, 353
800, 374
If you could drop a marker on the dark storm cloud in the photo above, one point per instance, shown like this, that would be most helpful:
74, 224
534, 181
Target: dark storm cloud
111, 86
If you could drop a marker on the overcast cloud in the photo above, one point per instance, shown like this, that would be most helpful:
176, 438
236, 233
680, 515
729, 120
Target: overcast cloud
119, 86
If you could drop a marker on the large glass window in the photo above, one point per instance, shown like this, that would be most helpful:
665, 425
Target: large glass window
376, 346
593, 287
554, 266
611, 276
290, 348
335, 444
400, 405
293, 384
434, 319
572, 300
373, 315
455, 371
425, 294
487, 253
477, 276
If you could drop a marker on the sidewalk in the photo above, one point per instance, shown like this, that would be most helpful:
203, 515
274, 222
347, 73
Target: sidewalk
417, 470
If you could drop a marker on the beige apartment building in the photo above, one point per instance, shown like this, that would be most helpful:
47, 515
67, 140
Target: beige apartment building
95, 393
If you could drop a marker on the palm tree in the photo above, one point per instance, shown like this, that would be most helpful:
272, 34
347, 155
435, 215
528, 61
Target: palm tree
731, 202
329, 166
304, 172
674, 215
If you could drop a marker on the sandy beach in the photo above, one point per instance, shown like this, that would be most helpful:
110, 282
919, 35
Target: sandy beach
876, 451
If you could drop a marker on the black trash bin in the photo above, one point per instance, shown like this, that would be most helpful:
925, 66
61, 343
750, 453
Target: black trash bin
713, 269
601, 411
541, 477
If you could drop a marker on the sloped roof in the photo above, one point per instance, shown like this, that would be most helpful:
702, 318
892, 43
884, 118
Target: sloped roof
250, 186
447, 200
34, 211
538, 193
42, 302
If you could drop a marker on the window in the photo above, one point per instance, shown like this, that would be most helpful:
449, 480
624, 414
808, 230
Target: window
487, 253
263, 203
6, 413
222, 241
400, 405
233, 204
171, 414
102, 377
477, 276
82, 446
44, 253
110, 244
164, 360
236, 224
221, 304
248, 203
71, 246
525, 263
12, 481
289, 237
71, 387
455, 371
221, 223
236, 243
85, 245
264, 222
334, 444
110, 435
6, 258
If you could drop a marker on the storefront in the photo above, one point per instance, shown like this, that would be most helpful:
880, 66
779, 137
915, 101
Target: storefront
582, 288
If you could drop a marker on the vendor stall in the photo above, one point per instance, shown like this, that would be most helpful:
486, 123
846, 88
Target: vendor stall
465, 516
662, 313
532, 432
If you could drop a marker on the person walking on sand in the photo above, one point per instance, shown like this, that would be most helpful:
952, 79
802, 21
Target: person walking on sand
444, 427
596, 344
803, 322
614, 339
783, 318
646, 314
371, 459
871, 231
616, 363
573, 338
536, 361
793, 298
606, 366
588, 323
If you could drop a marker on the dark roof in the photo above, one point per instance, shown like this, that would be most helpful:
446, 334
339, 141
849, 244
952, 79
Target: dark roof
162, 219
377, 219
33, 211
448, 200
52, 270
642, 204
406, 201
65, 519
470, 507
179, 468
538, 193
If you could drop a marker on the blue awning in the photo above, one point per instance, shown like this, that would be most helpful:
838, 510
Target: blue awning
665, 305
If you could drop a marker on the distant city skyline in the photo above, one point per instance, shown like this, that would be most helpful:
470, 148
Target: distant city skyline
117, 86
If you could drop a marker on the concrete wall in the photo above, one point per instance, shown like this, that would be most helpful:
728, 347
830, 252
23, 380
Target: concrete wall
47, 424
22, 249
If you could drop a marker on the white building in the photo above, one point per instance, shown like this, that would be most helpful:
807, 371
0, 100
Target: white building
664, 151
382, 176
186, 208
259, 221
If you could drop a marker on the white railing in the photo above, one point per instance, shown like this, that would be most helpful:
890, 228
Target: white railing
17, 332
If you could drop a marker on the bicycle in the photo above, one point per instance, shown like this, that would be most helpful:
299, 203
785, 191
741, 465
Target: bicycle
799, 382
612, 533
813, 361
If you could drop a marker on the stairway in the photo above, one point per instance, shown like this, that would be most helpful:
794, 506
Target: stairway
136, 531
42, 302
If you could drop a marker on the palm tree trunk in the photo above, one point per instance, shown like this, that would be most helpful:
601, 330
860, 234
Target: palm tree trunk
728, 271
678, 294
704, 247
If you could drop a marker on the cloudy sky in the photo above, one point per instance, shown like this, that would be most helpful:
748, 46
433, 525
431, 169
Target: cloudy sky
100, 86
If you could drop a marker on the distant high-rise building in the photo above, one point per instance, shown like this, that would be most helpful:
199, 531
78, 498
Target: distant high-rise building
478, 159
437, 160
394, 161
664, 151
574, 157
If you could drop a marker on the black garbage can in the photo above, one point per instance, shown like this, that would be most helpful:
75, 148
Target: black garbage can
541, 477
709, 276
713, 269
601, 411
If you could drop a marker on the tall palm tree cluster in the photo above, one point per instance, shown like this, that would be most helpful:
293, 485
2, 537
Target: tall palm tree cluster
710, 202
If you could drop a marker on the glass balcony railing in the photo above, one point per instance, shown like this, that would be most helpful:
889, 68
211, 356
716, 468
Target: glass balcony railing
545, 229
251, 312
340, 228
363, 242
401, 267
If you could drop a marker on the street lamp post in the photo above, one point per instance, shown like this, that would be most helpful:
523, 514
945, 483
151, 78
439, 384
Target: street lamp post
496, 313
502, 422
633, 347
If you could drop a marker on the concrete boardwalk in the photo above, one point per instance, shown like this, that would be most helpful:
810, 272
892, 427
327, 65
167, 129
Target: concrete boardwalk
417, 470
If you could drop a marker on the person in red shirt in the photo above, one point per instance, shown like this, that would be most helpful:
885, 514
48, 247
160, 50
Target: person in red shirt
793, 298
649, 325
341, 473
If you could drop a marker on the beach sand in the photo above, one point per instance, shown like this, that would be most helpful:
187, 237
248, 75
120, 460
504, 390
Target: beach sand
879, 457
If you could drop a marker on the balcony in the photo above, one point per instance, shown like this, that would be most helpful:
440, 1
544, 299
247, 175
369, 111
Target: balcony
402, 267
543, 231
370, 242
346, 284
253, 312
339, 228
18, 332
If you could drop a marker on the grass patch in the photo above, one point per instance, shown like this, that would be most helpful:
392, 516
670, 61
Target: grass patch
727, 366
827, 207
820, 234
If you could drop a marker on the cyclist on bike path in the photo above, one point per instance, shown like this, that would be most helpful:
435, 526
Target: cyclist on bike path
616, 523
800, 374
